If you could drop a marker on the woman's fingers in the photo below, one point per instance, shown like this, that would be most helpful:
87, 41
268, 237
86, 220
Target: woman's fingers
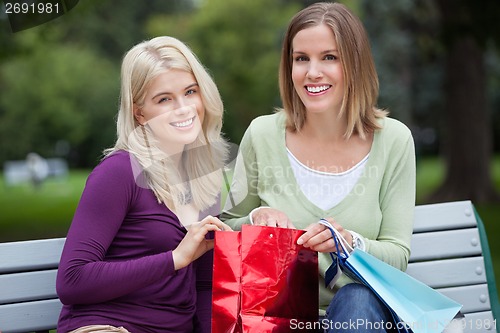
265, 216
272, 218
213, 224
315, 234
319, 238
195, 243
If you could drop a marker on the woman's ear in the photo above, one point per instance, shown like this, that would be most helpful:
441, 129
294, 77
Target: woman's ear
138, 115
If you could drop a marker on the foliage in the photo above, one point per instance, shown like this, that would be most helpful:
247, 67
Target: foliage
59, 81
240, 45
112, 27
479, 20
42, 103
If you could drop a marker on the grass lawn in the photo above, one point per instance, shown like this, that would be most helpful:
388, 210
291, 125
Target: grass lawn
26, 213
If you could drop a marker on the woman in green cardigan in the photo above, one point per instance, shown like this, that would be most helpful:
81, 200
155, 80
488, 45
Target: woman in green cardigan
330, 153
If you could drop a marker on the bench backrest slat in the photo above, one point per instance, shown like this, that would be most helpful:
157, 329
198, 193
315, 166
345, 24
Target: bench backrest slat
19, 287
444, 216
445, 244
449, 273
30, 255
474, 298
480, 322
29, 316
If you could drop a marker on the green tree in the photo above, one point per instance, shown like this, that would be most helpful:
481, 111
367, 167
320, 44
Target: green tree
59, 81
467, 27
240, 45
112, 27
431, 61
391, 42
51, 95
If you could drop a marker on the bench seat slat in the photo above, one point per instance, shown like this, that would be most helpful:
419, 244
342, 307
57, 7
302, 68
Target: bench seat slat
30, 286
474, 298
30, 316
30, 255
445, 244
450, 272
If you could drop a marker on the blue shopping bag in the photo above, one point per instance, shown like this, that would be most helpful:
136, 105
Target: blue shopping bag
413, 304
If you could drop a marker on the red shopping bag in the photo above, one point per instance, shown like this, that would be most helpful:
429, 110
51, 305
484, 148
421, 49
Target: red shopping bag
264, 282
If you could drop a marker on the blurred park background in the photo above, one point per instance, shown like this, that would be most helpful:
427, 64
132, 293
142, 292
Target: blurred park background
438, 63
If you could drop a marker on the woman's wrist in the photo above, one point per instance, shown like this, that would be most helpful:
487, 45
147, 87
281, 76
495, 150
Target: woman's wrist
178, 264
357, 241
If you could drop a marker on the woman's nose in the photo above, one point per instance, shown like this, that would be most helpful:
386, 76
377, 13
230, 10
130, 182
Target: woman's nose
180, 105
314, 70
183, 107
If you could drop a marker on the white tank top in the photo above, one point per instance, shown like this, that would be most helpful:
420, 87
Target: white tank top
325, 189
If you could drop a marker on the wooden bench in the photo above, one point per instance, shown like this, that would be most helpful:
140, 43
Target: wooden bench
449, 253
28, 300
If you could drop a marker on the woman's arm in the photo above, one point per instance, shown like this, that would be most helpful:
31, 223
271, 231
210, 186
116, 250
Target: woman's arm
243, 195
397, 204
84, 276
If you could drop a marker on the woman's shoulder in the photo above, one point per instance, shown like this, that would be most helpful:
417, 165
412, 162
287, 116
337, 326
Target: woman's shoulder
268, 124
394, 138
264, 131
117, 165
264, 121
121, 169
119, 159
392, 127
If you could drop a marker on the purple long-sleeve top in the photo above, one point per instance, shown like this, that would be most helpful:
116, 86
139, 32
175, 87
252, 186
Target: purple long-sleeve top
117, 268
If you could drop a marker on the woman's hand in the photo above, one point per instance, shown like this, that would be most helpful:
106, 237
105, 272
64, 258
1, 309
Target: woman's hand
194, 244
319, 238
271, 217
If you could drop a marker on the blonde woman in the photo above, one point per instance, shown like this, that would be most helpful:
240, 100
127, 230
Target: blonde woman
137, 256
330, 153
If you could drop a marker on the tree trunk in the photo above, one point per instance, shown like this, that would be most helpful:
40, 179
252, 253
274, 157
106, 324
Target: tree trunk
467, 134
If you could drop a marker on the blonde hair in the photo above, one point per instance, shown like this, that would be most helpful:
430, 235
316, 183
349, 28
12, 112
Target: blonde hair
202, 159
361, 86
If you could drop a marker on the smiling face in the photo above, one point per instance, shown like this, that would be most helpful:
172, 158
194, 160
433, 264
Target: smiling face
173, 109
317, 73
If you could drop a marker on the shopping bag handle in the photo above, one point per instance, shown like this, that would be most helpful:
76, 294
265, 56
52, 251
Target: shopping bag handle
338, 239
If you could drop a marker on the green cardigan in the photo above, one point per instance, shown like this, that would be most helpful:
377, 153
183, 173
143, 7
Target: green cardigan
379, 207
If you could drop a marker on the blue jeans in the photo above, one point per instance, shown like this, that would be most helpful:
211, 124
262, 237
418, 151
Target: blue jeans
355, 308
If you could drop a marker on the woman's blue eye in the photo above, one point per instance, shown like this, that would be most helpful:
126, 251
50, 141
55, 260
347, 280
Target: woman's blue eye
164, 99
301, 58
330, 57
190, 92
